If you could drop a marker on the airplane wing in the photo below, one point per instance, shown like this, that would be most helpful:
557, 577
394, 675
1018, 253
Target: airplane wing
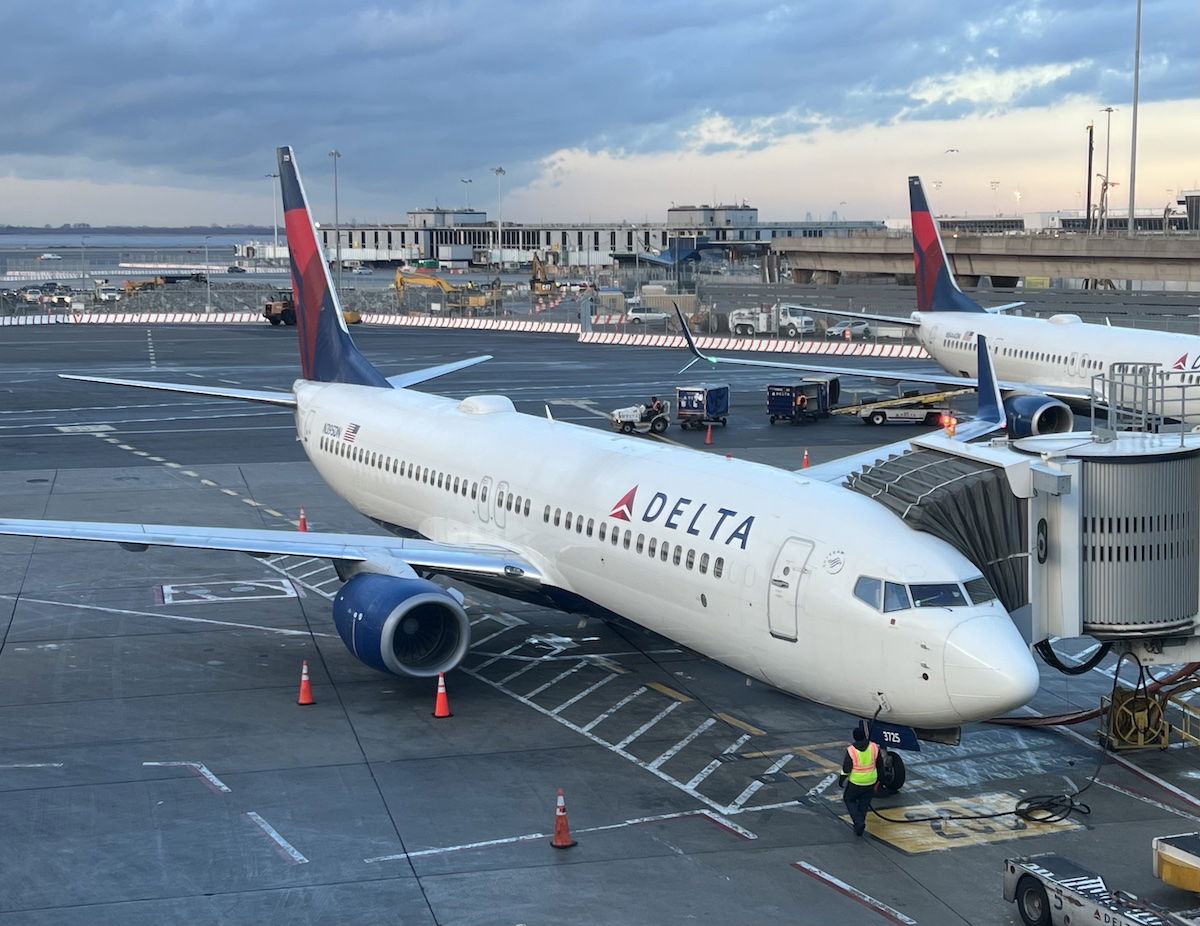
220, 392
868, 317
403, 380
989, 417
467, 561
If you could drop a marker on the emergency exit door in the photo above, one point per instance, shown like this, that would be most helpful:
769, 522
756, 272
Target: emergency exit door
785, 599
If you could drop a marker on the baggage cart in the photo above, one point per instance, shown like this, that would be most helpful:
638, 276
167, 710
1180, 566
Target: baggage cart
798, 402
703, 405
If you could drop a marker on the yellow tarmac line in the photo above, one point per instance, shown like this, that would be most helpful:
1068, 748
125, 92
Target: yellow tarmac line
669, 692
749, 728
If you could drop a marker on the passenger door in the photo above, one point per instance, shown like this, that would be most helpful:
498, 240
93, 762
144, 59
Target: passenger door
784, 599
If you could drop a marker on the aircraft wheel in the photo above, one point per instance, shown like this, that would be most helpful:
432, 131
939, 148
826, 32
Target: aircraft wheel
1032, 902
626, 427
877, 417
893, 773
658, 425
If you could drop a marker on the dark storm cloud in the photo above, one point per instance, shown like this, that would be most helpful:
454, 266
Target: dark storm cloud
419, 94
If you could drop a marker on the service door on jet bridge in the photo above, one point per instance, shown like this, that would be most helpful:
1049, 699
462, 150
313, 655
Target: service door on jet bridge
784, 600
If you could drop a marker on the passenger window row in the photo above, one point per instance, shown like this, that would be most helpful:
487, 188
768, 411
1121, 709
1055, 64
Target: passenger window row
640, 544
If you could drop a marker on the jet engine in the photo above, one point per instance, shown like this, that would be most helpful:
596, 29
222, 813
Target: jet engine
399, 625
1031, 413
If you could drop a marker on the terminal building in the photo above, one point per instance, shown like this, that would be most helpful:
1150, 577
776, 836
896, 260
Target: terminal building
465, 238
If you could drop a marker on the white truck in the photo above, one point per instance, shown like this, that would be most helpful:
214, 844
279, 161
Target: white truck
783, 319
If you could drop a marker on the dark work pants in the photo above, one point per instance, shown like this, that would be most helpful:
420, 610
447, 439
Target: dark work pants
858, 803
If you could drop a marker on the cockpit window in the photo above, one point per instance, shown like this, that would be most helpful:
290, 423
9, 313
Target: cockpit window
895, 597
869, 590
979, 590
940, 595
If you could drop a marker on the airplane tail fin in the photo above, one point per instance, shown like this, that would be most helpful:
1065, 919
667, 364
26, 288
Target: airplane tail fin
327, 354
936, 289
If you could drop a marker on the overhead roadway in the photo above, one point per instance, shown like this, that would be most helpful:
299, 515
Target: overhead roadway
1146, 257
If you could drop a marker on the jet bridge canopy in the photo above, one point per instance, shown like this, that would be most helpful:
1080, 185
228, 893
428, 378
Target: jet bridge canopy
968, 503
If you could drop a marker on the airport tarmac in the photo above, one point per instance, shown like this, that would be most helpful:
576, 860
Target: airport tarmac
154, 766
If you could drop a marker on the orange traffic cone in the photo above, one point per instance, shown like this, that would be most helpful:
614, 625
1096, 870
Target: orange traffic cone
305, 686
708, 435
562, 832
804, 465
441, 707
303, 522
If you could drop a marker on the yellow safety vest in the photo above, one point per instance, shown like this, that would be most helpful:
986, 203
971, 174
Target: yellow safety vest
863, 771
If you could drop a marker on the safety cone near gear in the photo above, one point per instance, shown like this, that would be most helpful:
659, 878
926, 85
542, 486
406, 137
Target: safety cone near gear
804, 464
708, 435
302, 524
306, 695
562, 832
441, 707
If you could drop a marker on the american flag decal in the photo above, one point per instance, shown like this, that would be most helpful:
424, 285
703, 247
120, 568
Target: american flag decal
350, 433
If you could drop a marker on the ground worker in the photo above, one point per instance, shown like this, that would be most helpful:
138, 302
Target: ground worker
801, 403
655, 404
859, 776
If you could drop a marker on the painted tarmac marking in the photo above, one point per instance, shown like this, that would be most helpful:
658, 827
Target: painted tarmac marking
203, 482
526, 837
283, 844
521, 671
32, 765
741, 724
612, 710
554, 681
854, 893
490, 637
668, 691
250, 501
243, 590
647, 725
305, 575
819, 788
230, 492
498, 656
283, 571
583, 694
1147, 800
170, 617
273, 512
173, 465
716, 763
753, 787
199, 768
96, 429
666, 756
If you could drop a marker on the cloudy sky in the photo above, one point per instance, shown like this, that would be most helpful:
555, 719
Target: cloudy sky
168, 111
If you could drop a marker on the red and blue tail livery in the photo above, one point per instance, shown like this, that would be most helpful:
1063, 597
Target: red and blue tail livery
327, 354
936, 289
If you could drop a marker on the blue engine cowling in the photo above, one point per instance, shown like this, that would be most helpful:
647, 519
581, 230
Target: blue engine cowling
401, 626
1032, 413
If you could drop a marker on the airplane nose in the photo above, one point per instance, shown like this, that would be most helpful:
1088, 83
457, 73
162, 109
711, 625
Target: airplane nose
988, 668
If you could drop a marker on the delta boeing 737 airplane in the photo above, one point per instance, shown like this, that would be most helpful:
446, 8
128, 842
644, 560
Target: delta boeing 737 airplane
804, 585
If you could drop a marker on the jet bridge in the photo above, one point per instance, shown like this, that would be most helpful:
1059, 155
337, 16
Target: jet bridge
1097, 532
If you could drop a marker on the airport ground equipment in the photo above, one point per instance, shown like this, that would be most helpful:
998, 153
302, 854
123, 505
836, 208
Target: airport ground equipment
909, 407
279, 310
1050, 890
783, 319
539, 278
455, 298
641, 419
798, 402
699, 406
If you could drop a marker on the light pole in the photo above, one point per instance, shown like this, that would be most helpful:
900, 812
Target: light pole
274, 213
499, 172
467, 183
337, 226
1108, 111
995, 185
637, 260
207, 278
1137, 56
83, 261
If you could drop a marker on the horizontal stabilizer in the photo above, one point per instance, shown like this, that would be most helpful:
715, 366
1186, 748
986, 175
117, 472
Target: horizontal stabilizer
265, 397
413, 377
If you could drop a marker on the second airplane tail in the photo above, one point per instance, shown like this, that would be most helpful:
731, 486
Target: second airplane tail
327, 354
937, 290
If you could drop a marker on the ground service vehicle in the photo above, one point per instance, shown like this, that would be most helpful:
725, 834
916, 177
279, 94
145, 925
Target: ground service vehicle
279, 310
641, 314
799, 402
641, 418
783, 319
699, 406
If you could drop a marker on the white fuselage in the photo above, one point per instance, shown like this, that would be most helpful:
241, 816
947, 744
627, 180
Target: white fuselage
1062, 352
760, 565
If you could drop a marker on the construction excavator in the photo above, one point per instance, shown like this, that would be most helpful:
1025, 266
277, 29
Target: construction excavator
455, 298
539, 279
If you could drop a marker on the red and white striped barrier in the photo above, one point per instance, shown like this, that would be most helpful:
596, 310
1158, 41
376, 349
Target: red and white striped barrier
838, 347
487, 324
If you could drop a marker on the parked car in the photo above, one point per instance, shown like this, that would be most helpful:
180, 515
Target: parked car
49, 256
362, 270
641, 314
857, 329
234, 268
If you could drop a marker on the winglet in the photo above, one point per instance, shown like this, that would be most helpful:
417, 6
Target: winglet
687, 336
991, 408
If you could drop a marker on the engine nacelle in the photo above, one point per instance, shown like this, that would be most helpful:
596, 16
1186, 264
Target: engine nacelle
403, 626
1031, 413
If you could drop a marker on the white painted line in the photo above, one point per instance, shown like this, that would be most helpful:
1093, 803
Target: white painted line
327, 581
558, 678
229, 492
305, 575
1146, 800
508, 620
286, 846
168, 617
583, 694
728, 824
776, 806
499, 656
124, 446
854, 893
487, 843
819, 788
199, 768
612, 710
140, 453
753, 787
250, 501
272, 511
328, 596
32, 765
666, 756
521, 671
303, 562
158, 459
647, 725
717, 763
173, 465
491, 637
